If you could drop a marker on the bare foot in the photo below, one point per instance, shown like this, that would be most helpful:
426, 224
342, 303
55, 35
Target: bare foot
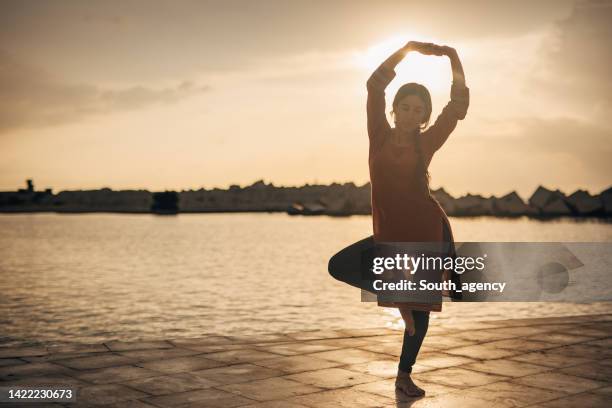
404, 383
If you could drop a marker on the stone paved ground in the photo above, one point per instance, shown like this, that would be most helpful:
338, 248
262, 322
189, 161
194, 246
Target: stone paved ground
549, 362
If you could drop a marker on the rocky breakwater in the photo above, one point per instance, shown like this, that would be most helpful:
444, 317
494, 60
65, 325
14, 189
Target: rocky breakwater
310, 199
542, 203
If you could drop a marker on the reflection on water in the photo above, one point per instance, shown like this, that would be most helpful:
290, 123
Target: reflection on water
97, 277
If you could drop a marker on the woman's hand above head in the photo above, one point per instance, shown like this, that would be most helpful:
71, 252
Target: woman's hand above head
424, 48
449, 51
431, 49
412, 46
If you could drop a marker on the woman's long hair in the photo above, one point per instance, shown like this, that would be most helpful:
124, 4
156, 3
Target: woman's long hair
412, 88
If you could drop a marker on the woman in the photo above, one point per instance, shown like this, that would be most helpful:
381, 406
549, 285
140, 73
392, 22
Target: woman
403, 209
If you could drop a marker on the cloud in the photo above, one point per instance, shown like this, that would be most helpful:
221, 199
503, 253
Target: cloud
190, 37
585, 142
577, 61
32, 97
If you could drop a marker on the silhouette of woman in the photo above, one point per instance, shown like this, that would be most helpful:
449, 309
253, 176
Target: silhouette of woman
403, 209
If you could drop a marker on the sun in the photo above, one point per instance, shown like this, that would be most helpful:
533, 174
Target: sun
432, 71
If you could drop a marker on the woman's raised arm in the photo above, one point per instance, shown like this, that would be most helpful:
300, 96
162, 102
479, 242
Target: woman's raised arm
455, 109
376, 84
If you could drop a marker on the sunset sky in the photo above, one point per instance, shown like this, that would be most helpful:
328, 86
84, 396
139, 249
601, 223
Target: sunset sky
190, 94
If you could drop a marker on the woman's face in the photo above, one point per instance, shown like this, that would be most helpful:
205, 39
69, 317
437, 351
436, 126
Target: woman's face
410, 113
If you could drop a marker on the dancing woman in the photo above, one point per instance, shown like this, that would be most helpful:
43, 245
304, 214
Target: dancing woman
403, 209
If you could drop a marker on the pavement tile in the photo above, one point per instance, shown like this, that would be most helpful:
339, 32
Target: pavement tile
515, 395
170, 384
420, 368
158, 354
237, 373
215, 348
444, 342
603, 319
48, 379
113, 374
459, 377
521, 344
76, 348
118, 345
29, 405
295, 348
547, 359
11, 361
561, 328
594, 371
593, 331
180, 364
538, 321
270, 389
380, 368
367, 332
209, 398
434, 329
107, 394
349, 356
203, 341
482, 351
582, 350
557, 381
382, 339
606, 343
392, 349
267, 343
392, 338
607, 391
31, 370
241, 356
428, 349
520, 331
126, 404
481, 336
342, 398
441, 360
605, 361
97, 361
452, 399
61, 356
541, 362
316, 334
586, 399
275, 404
561, 338
296, 364
509, 368
342, 343
8, 352
469, 326
386, 388
332, 378
259, 338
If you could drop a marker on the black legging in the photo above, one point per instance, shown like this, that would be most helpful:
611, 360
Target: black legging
412, 344
345, 266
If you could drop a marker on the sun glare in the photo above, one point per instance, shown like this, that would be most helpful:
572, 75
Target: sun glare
432, 71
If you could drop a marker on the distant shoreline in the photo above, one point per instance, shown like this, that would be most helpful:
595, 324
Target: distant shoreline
334, 200
540, 217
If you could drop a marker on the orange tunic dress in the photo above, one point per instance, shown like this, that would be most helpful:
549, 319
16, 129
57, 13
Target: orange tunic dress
403, 210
